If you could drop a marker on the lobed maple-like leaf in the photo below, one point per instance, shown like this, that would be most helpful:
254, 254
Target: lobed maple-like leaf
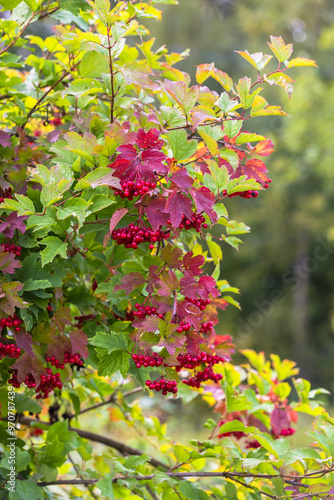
27, 364
264, 148
154, 209
24, 341
130, 282
177, 206
182, 179
146, 158
13, 222
79, 342
204, 200
254, 169
8, 263
193, 263
171, 255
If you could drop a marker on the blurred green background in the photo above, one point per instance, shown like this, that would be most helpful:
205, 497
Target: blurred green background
285, 269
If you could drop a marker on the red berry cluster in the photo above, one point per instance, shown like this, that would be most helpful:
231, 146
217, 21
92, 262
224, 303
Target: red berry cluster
131, 189
36, 431
6, 193
190, 362
245, 194
200, 303
206, 327
14, 249
9, 350
143, 311
253, 444
184, 327
196, 222
56, 121
48, 383
147, 360
131, 236
287, 432
203, 376
162, 385
10, 322
68, 358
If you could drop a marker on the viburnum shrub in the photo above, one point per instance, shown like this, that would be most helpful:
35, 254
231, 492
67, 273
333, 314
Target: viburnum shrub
116, 179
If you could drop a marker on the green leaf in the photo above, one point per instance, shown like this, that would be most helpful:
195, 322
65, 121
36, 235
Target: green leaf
93, 64
22, 205
105, 485
73, 6
182, 148
26, 489
190, 491
257, 60
32, 285
215, 250
110, 341
101, 176
118, 360
230, 156
24, 403
54, 246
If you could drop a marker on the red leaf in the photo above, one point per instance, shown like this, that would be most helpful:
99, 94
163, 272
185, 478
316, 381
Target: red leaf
5, 139
254, 169
149, 140
13, 222
172, 342
167, 283
263, 148
178, 205
130, 282
280, 419
79, 342
24, 341
8, 263
193, 263
204, 201
182, 179
209, 284
154, 208
117, 216
26, 364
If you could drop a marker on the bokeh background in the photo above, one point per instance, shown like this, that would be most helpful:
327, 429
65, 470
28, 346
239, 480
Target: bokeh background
285, 269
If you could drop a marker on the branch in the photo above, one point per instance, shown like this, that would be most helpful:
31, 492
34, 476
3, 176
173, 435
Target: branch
64, 75
111, 70
117, 445
18, 36
110, 400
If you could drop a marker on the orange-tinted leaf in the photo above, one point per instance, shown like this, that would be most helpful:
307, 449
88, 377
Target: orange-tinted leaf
223, 78
203, 72
281, 51
301, 61
264, 148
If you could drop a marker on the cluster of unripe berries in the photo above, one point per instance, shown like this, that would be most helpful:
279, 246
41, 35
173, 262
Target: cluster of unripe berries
162, 385
11, 322
68, 358
200, 303
131, 236
10, 248
195, 222
148, 360
48, 383
143, 311
206, 327
9, 350
5, 193
131, 189
190, 361
203, 376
